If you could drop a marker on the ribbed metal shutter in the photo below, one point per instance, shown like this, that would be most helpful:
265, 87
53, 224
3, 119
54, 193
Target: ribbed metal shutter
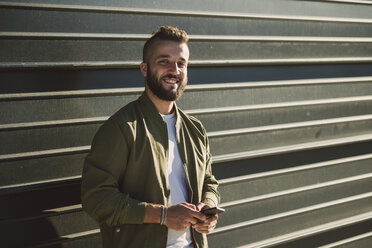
284, 89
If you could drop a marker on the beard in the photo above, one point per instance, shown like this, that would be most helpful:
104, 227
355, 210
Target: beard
157, 88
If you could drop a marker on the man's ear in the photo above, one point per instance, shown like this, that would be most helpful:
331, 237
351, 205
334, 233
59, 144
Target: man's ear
143, 67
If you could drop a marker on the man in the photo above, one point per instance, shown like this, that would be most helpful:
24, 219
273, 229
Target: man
148, 173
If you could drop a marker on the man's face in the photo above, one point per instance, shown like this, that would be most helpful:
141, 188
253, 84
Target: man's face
166, 73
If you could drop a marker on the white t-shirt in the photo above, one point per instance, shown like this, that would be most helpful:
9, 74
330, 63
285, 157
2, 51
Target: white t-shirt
177, 183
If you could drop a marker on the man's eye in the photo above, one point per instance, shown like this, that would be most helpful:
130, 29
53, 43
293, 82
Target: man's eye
163, 62
181, 64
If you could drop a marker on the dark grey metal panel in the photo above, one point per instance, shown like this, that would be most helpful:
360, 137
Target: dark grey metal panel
34, 110
240, 141
279, 203
284, 7
251, 116
266, 228
242, 166
71, 106
25, 202
80, 21
259, 94
66, 164
266, 182
47, 138
332, 235
113, 51
40, 230
75, 135
31, 170
40, 79
79, 132
52, 51
361, 240
58, 79
44, 167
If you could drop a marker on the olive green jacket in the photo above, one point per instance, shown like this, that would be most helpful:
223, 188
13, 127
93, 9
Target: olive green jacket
127, 167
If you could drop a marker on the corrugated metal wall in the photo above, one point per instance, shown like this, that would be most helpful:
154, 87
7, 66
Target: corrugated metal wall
284, 89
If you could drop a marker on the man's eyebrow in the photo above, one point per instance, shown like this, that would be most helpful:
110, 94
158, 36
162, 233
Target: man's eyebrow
161, 56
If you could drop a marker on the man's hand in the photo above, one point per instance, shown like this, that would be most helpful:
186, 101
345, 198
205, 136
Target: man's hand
209, 224
182, 216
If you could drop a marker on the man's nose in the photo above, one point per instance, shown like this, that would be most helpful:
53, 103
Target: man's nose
173, 67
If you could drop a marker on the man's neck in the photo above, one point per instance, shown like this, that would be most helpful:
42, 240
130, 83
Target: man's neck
164, 107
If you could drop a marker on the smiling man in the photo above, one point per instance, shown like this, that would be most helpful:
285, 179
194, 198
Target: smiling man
148, 173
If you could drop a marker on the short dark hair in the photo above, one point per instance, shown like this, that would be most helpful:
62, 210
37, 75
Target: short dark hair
163, 33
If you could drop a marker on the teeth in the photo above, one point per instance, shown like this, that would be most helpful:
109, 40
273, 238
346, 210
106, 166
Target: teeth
171, 81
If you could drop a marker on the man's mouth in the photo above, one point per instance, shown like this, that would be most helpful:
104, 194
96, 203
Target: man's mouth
171, 79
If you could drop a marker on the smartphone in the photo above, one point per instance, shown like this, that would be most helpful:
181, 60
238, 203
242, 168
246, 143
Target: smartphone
213, 211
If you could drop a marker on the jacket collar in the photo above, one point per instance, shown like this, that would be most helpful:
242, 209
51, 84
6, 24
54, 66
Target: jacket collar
154, 113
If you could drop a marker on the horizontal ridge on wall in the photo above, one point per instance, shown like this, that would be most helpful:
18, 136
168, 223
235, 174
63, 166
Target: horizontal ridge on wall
101, 119
68, 238
216, 159
201, 87
192, 63
289, 126
45, 213
265, 243
260, 152
366, 2
296, 169
296, 190
112, 36
178, 12
350, 241
44, 153
313, 230
293, 212
290, 148
242, 179
277, 105
43, 184
77, 208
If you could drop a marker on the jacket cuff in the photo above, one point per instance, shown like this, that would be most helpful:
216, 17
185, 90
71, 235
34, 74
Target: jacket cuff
134, 213
211, 198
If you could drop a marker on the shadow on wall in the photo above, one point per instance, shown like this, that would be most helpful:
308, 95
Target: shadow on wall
23, 80
36, 217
